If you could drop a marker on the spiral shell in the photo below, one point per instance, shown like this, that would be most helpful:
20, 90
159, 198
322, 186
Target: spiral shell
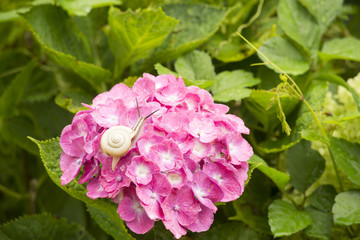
116, 141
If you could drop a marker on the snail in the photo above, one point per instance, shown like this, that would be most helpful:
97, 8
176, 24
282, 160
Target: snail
117, 141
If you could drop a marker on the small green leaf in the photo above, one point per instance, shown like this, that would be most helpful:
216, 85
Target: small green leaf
324, 12
285, 220
279, 178
13, 93
347, 208
66, 43
347, 157
197, 23
71, 100
285, 55
134, 35
323, 197
50, 152
299, 24
82, 8
232, 85
341, 48
305, 165
42, 226
195, 65
321, 224
259, 103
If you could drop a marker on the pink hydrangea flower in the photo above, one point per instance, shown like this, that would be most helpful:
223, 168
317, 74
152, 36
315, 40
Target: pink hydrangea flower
187, 156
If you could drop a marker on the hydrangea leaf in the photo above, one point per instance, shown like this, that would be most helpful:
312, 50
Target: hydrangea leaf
341, 48
195, 65
42, 226
197, 23
285, 219
66, 44
135, 35
232, 85
285, 55
279, 178
50, 152
324, 12
321, 223
299, 24
200, 83
13, 93
346, 209
305, 165
323, 197
231, 230
347, 157
259, 104
82, 8
71, 100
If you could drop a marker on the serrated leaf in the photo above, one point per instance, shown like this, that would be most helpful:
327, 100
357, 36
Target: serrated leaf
232, 85
347, 157
285, 220
324, 12
82, 8
305, 165
285, 55
341, 48
323, 197
50, 152
279, 178
13, 93
197, 22
42, 226
134, 35
321, 223
200, 83
258, 104
66, 44
71, 100
346, 209
195, 65
299, 24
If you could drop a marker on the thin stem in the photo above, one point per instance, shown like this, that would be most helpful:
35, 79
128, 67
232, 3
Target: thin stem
335, 168
10, 192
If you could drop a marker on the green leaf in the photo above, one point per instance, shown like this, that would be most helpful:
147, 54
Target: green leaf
285, 55
261, 104
12, 15
232, 85
195, 65
324, 12
82, 8
197, 23
321, 224
66, 44
341, 48
323, 197
50, 152
347, 157
347, 208
285, 220
279, 178
42, 226
200, 83
13, 94
135, 35
305, 165
230, 231
299, 24
71, 100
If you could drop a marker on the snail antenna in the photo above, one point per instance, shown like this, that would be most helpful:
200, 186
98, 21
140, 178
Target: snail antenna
151, 113
138, 108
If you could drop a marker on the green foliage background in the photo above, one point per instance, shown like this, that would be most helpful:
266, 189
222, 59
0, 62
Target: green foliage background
304, 181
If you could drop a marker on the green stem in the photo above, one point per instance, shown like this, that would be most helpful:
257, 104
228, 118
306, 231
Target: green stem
335, 168
10, 192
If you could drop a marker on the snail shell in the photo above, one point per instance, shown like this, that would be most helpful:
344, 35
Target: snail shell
116, 141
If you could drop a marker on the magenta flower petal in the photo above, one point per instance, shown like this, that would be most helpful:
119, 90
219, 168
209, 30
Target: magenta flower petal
204, 220
141, 171
239, 149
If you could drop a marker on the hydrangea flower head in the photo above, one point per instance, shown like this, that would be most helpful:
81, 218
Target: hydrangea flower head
186, 156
